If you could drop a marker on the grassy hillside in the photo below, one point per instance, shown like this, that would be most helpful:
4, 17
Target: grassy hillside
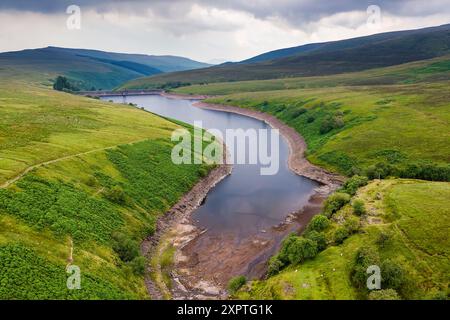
387, 130
405, 231
333, 58
339, 45
82, 183
91, 68
432, 70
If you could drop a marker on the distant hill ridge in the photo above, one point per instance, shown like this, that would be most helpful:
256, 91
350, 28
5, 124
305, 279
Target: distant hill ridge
94, 68
357, 54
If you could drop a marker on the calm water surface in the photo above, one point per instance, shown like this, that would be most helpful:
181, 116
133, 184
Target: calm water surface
245, 202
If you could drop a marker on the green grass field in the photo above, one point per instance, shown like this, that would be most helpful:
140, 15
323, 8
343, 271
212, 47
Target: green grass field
411, 215
437, 69
349, 129
80, 175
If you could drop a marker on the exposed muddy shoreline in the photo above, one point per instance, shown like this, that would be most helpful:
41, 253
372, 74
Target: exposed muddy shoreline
204, 276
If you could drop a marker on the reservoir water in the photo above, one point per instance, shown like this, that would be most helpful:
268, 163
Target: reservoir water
245, 202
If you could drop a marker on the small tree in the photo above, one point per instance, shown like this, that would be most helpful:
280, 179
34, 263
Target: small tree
335, 202
275, 266
319, 238
297, 249
353, 184
318, 223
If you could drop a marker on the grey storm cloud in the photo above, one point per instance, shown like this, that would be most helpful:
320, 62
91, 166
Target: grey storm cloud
295, 12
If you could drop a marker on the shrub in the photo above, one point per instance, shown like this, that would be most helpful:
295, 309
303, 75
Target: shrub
326, 126
335, 202
138, 265
116, 195
340, 235
297, 249
426, 171
319, 238
331, 123
236, 283
364, 257
352, 225
318, 223
358, 207
63, 84
392, 275
310, 119
126, 248
387, 294
382, 239
353, 184
91, 181
379, 171
298, 112
203, 172
275, 265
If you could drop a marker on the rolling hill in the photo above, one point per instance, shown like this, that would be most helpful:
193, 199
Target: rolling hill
81, 181
93, 68
380, 50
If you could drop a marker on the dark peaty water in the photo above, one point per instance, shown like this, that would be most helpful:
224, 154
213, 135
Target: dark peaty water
246, 202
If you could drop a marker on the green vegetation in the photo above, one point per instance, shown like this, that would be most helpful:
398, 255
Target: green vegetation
404, 232
236, 283
82, 183
62, 84
358, 207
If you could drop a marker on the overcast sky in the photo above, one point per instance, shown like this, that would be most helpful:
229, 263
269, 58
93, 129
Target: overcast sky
206, 30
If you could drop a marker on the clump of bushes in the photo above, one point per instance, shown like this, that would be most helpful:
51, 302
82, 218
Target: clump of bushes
236, 283
330, 123
383, 239
126, 248
340, 235
275, 266
318, 223
335, 202
353, 184
352, 224
63, 84
116, 195
319, 238
392, 275
294, 250
297, 249
298, 112
138, 265
423, 171
128, 251
358, 207
365, 257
